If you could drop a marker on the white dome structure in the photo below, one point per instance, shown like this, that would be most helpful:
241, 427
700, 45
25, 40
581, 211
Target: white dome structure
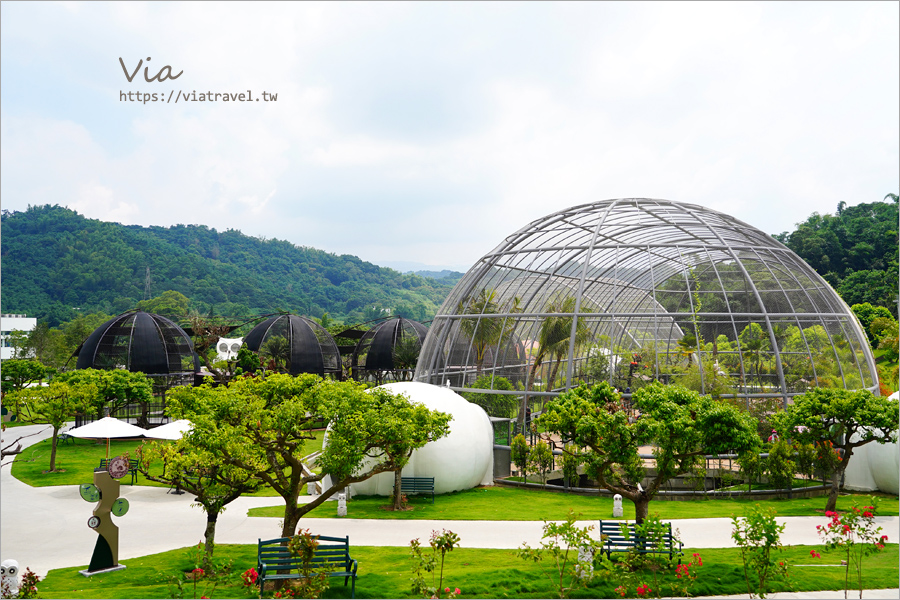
463, 459
875, 467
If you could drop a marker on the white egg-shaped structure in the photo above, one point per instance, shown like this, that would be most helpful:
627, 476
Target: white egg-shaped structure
461, 460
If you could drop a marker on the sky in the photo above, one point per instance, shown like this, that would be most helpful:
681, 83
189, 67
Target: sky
413, 134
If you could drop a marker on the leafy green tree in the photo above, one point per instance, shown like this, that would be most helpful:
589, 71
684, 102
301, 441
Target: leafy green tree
541, 460
886, 330
17, 374
170, 303
520, 453
553, 340
495, 405
277, 350
483, 332
54, 405
681, 425
405, 356
847, 418
191, 467
260, 425
116, 388
866, 313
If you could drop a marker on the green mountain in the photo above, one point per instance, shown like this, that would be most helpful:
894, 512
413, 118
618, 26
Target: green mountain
57, 263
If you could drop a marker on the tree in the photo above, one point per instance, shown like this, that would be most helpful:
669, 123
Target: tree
495, 405
171, 304
553, 340
867, 314
192, 468
116, 388
54, 405
681, 425
485, 331
17, 374
847, 418
260, 425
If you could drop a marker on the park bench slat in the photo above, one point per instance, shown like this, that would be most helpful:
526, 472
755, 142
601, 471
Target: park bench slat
416, 485
615, 541
273, 555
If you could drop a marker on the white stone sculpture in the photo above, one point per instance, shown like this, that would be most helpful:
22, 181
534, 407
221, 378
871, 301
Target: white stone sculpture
342, 505
584, 568
9, 578
617, 506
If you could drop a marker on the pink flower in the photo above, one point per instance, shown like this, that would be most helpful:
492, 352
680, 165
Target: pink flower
867, 514
621, 590
814, 554
884, 538
457, 592
446, 590
198, 571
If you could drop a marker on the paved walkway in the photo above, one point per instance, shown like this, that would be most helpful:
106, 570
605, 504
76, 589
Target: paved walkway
46, 528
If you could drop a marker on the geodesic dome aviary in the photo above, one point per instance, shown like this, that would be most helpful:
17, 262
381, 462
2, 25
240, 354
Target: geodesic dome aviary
144, 342
303, 345
635, 290
388, 350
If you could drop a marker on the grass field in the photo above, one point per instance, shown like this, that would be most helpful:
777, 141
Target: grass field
513, 504
384, 572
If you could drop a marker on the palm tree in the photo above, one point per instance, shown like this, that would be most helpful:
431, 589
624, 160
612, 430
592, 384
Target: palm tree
486, 331
278, 349
553, 341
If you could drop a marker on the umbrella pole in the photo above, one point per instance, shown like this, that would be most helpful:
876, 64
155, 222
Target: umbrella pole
107, 448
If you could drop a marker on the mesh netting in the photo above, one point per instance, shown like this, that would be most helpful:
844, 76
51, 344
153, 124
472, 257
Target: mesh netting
636, 290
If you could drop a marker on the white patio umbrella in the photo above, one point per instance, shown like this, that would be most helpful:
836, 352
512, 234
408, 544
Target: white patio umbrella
107, 428
169, 431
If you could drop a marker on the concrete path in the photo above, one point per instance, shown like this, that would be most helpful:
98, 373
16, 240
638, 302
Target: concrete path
46, 528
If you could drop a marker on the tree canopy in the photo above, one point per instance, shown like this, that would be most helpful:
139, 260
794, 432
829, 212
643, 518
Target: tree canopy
847, 418
680, 424
260, 425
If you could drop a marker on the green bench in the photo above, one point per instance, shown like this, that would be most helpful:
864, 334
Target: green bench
332, 557
417, 485
615, 541
132, 467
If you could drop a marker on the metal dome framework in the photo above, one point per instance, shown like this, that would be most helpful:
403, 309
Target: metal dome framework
388, 351
144, 342
308, 347
647, 290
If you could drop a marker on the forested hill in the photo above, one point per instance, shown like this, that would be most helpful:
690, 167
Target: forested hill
54, 259
855, 250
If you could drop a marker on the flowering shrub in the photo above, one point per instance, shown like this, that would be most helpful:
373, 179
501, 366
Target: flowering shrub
312, 583
643, 591
250, 576
855, 533
28, 587
561, 543
442, 542
758, 536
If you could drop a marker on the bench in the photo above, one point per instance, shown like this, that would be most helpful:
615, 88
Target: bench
65, 438
331, 557
417, 485
132, 467
615, 541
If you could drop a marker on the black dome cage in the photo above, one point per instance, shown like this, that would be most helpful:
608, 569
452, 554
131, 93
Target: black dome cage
296, 344
147, 343
635, 290
388, 351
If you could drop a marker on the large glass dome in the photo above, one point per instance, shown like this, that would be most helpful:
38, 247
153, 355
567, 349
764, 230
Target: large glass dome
635, 290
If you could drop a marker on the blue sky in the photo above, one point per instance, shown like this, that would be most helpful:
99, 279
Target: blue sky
428, 132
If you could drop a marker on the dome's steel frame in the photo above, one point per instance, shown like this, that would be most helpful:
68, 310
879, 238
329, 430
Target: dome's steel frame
675, 256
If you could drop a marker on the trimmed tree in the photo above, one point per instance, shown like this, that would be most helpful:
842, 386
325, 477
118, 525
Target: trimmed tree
188, 466
115, 388
681, 425
260, 425
54, 405
846, 418
21, 373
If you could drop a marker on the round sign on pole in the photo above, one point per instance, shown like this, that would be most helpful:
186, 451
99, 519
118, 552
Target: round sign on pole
118, 467
94, 522
89, 492
120, 507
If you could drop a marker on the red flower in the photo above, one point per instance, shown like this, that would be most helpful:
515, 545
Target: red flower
814, 554
621, 590
867, 514
197, 571
457, 592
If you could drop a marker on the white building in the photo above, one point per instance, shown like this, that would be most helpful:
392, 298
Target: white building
8, 324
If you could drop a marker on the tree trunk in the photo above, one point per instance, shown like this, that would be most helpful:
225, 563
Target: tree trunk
398, 494
836, 477
641, 508
210, 537
291, 519
553, 372
53, 449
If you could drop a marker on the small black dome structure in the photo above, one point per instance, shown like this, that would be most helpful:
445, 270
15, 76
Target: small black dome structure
144, 342
376, 351
307, 348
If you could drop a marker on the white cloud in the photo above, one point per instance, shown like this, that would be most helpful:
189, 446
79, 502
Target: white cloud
429, 132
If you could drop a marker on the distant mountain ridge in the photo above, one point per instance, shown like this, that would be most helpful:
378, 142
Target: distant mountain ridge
56, 262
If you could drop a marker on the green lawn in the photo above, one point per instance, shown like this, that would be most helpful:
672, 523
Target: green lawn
500, 503
385, 572
77, 459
